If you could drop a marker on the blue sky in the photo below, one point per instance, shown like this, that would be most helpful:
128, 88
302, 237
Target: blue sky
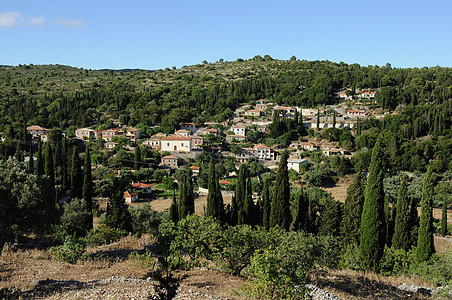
158, 34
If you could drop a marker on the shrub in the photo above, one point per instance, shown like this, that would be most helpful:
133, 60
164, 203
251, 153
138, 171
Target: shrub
437, 270
395, 261
144, 219
104, 234
71, 251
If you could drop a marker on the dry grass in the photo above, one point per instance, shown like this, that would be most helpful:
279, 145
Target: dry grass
339, 190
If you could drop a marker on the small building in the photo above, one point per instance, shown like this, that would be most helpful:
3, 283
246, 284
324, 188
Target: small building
239, 130
367, 94
189, 126
152, 142
196, 142
130, 197
206, 131
235, 137
261, 105
263, 152
133, 133
295, 163
308, 146
84, 133
110, 145
245, 155
175, 143
356, 113
170, 161
37, 130
253, 113
195, 171
142, 187
183, 132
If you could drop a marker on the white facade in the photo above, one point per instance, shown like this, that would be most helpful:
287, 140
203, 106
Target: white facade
263, 152
175, 143
295, 164
239, 130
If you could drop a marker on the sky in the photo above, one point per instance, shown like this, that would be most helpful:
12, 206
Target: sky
150, 34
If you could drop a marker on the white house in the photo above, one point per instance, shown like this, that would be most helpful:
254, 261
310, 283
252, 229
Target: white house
142, 187
356, 113
37, 130
263, 152
84, 133
238, 137
169, 161
130, 197
183, 132
133, 133
239, 130
175, 143
295, 163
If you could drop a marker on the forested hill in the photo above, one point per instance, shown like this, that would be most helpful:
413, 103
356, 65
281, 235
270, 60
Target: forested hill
60, 96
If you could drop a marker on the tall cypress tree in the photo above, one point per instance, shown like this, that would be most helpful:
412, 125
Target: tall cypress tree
174, 214
444, 218
39, 161
64, 165
330, 218
248, 205
190, 198
280, 207
334, 119
240, 193
425, 247
266, 205
214, 199
182, 207
301, 212
372, 240
87, 190
390, 224
76, 176
118, 215
402, 231
137, 158
49, 169
414, 222
353, 209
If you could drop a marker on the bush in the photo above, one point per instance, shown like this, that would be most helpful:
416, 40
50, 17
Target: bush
104, 235
395, 261
71, 251
437, 270
144, 219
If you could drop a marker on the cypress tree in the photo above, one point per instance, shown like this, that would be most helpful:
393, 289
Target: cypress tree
118, 215
87, 190
248, 205
425, 247
64, 164
137, 158
330, 218
280, 207
318, 119
39, 161
182, 207
402, 231
31, 164
414, 222
76, 176
334, 119
174, 214
49, 170
214, 199
240, 194
301, 212
390, 224
190, 198
444, 218
372, 240
266, 205
353, 209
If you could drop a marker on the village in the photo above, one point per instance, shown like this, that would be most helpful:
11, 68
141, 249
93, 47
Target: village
229, 139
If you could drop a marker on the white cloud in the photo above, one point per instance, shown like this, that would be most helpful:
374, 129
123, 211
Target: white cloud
69, 22
38, 21
10, 19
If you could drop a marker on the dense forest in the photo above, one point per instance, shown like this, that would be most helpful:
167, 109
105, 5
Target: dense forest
401, 161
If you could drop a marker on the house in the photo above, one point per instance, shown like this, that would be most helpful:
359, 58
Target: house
110, 145
308, 146
189, 126
175, 142
238, 113
133, 133
44, 137
37, 130
367, 94
142, 187
353, 113
196, 142
130, 197
235, 137
263, 152
245, 155
208, 131
195, 171
84, 133
261, 105
239, 130
253, 113
295, 163
183, 132
169, 161
108, 134
152, 142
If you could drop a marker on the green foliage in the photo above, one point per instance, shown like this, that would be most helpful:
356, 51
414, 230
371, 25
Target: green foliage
318, 175
118, 215
265, 207
144, 219
444, 219
280, 209
353, 207
75, 218
215, 206
395, 261
87, 188
330, 218
437, 269
402, 227
425, 247
72, 251
372, 239
104, 234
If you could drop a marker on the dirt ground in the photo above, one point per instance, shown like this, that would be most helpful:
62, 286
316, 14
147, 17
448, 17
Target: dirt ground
200, 204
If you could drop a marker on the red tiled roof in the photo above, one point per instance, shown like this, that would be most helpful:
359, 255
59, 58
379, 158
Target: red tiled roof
195, 168
169, 157
192, 124
238, 126
307, 144
224, 182
140, 185
36, 127
261, 146
128, 194
175, 138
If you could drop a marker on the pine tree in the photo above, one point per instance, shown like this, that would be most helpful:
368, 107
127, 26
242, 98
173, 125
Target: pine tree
301, 212
444, 218
330, 218
280, 207
174, 214
87, 190
402, 231
353, 209
266, 206
425, 247
372, 240
137, 158
76, 176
